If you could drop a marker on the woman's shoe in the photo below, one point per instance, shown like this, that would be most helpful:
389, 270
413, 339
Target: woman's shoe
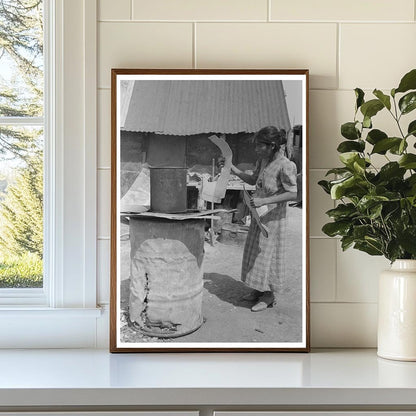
266, 300
253, 296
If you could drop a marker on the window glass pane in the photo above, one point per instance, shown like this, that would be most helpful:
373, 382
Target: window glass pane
21, 146
21, 58
21, 209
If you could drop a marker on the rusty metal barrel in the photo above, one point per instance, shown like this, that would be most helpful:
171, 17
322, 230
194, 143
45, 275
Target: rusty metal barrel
166, 276
168, 189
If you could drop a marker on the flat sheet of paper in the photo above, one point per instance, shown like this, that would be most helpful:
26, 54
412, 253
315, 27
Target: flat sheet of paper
215, 191
208, 191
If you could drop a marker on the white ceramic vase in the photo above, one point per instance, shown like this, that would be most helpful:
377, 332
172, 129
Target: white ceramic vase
397, 312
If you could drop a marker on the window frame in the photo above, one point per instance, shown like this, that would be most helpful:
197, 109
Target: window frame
70, 167
37, 296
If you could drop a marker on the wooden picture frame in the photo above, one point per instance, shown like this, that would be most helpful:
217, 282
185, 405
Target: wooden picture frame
205, 163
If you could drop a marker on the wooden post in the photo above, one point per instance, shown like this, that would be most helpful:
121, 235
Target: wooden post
212, 206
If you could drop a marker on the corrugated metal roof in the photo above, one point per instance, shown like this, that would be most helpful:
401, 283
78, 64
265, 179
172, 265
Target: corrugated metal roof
191, 107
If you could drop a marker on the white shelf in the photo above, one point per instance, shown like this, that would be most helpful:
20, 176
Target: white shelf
335, 378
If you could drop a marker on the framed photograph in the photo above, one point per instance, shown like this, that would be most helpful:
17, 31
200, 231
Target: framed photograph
209, 211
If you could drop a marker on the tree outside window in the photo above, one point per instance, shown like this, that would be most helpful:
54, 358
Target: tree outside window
21, 143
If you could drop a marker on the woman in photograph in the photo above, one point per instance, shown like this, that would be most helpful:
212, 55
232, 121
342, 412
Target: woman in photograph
275, 180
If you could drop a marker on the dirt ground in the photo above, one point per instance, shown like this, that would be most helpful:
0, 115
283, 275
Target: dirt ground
226, 317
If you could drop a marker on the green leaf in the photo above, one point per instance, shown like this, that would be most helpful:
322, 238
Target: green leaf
359, 165
391, 212
375, 136
361, 231
411, 180
398, 149
346, 242
349, 146
349, 131
408, 102
391, 170
393, 250
371, 108
338, 171
368, 248
348, 187
383, 145
325, 186
375, 212
359, 95
333, 229
402, 146
393, 92
374, 242
411, 130
408, 161
407, 240
338, 189
367, 122
342, 211
369, 201
385, 99
408, 82
348, 158
411, 183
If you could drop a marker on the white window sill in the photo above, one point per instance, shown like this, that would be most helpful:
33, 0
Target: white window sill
38, 311
40, 327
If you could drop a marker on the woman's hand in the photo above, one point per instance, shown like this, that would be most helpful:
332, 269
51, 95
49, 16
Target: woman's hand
221, 163
235, 170
257, 202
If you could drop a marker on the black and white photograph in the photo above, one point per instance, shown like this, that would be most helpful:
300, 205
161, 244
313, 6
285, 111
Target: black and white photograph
209, 215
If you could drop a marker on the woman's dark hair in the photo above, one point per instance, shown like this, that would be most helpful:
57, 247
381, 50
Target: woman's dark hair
271, 135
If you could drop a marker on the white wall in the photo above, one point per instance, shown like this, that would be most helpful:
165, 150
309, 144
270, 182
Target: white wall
344, 43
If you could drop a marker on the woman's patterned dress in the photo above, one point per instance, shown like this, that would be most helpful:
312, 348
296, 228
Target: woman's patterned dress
263, 258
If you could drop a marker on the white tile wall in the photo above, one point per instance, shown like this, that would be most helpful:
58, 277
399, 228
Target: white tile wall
103, 271
341, 10
142, 45
323, 269
328, 110
389, 52
104, 202
114, 10
104, 128
357, 275
345, 44
200, 10
270, 45
344, 325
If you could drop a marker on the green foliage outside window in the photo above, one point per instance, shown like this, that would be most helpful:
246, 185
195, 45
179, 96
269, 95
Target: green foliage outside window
21, 148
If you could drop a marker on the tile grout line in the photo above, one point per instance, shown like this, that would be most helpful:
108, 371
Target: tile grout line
338, 63
131, 9
323, 237
336, 271
306, 22
352, 302
194, 63
269, 11
310, 89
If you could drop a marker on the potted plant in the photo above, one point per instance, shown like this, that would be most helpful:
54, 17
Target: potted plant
376, 206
